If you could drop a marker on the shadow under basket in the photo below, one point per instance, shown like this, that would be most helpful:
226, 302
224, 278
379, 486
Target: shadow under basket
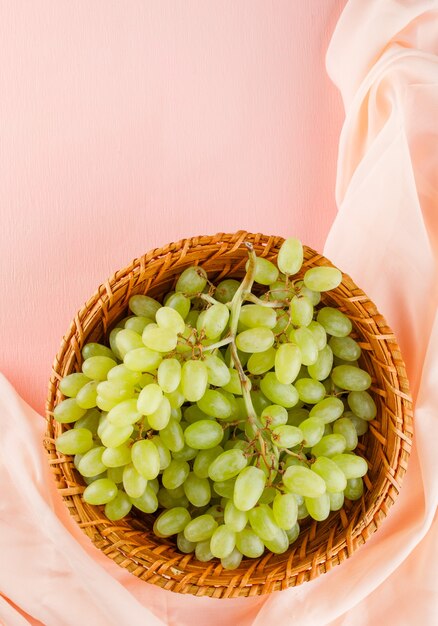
320, 546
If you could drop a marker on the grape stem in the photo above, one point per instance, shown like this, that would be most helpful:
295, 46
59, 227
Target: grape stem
218, 344
273, 304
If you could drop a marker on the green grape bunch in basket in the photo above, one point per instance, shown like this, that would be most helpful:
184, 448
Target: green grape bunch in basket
232, 412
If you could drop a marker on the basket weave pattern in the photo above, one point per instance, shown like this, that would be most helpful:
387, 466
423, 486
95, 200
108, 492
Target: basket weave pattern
320, 546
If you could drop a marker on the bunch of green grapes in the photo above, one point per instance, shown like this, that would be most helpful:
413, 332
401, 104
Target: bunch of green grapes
234, 416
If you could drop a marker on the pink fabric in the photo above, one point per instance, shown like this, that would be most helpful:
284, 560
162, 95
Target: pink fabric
384, 59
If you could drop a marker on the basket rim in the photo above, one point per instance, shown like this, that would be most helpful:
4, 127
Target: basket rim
208, 582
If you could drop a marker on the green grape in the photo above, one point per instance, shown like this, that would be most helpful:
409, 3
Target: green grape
192, 318
147, 502
116, 457
249, 544
282, 322
261, 362
133, 483
353, 466
203, 434
328, 429
137, 324
234, 386
277, 392
336, 501
303, 338
127, 340
333, 477
97, 367
204, 459
233, 560
279, 544
226, 289
263, 522
266, 272
71, 384
304, 482
322, 278
286, 436
87, 396
199, 322
149, 399
297, 415
180, 303
224, 488
322, 367
200, 528
215, 404
173, 436
113, 436
345, 427
115, 474
249, 486
160, 418
96, 349
345, 348
112, 341
330, 445
362, 405
227, 465
145, 458
302, 511
115, 390
142, 360
168, 318
105, 404
257, 315
318, 333
191, 281
255, 340
280, 291
175, 474
223, 541
144, 306
287, 363
318, 508
125, 413
259, 401
194, 414
334, 321
327, 410
313, 431
301, 311
68, 411
360, 424
171, 522
354, 488
185, 454
215, 320
268, 495
293, 533
91, 463
351, 378
217, 511
202, 551
290, 256
74, 441
163, 452
310, 391
274, 415
121, 374
184, 545
159, 339
197, 490
285, 510
218, 373
90, 421
100, 491
234, 518
170, 498
176, 398
194, 380
119, 507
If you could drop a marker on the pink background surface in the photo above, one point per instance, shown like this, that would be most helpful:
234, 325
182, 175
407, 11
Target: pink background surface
122, 130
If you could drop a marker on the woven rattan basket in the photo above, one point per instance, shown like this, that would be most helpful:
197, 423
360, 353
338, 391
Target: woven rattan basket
320, 546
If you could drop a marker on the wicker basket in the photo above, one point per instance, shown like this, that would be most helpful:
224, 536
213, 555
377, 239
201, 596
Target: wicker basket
320, 546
